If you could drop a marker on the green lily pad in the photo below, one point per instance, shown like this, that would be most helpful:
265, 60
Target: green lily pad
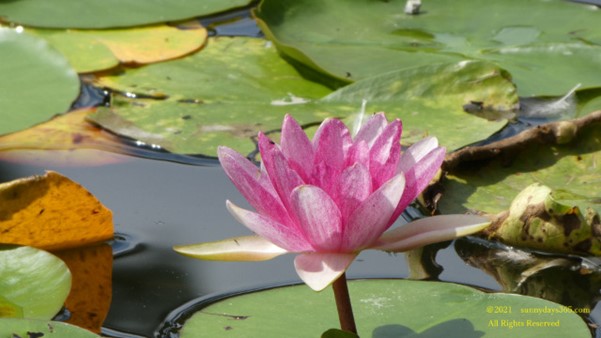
430, 100
34, 280
37, 82
381, 37
108, 14
569, 170
386, 308
22, 328
222, 95
242, 86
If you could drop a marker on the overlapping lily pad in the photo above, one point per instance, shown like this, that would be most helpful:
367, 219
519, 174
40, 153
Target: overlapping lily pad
37, 82
33, 280
381, 37
235, 87
430, 100
385, 308
110, 13
221, 95
95, 50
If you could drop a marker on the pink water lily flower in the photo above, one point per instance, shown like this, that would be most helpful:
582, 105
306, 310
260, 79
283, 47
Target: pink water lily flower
329, 198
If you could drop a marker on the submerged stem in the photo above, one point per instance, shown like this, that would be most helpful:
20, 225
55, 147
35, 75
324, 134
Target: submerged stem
343, 304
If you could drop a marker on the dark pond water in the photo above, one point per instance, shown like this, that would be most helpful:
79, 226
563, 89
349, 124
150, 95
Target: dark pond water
158, 204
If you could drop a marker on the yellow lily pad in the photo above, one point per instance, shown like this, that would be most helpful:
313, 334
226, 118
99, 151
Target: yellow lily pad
54, 141
91, 290
95, 50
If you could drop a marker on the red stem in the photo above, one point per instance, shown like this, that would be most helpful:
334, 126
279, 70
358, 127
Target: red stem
343, 303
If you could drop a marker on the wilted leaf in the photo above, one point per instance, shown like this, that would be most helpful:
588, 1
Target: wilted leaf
29, 328
91, 291
54, 142
537, 219
108, 13
51, 212
34, 280
37, 82
94, 50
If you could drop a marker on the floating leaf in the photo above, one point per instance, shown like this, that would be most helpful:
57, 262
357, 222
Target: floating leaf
91, 291
34, 280
37, 82
241, 85
51, 212
384, 308
322, 35
94, 50
27, 328
259, 88
109, 13
54, 142
430, 100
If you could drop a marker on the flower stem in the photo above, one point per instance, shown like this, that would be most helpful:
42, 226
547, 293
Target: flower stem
343, 303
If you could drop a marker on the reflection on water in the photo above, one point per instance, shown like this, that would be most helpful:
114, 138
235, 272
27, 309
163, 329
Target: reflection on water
568, 280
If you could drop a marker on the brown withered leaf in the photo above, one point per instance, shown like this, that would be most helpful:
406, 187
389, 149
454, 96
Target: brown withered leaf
91, 288
51, 212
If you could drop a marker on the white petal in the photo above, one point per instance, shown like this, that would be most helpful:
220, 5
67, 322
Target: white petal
430, 230
246, 248
318, 270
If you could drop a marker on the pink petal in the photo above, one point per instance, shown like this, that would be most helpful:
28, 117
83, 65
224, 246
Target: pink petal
416, 152
385, 153
354, 187
253, 184
358, 153
318, 216
371, 218
371, 129
430, 230
419, 176
286, 236
283, 178
330, 143
246, 248
297, 147
318, 270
